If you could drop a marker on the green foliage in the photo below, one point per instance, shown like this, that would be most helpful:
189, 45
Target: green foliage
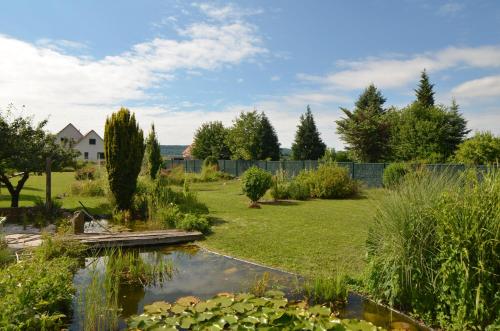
426, 133
329, 181
87, 172
25, 146
483, 148
424, 92
434, 249
331, 155
36, 293
193, 222
89, 188
394, 174
331, 289
211, 140
124, 150
153, 153
308, 144
366, 130
242, 311
252, 137
299, 190
279, 188
255, 183
211, 161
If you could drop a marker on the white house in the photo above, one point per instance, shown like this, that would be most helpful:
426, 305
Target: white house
91, 145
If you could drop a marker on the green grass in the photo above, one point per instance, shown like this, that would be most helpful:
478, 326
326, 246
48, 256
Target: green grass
308, 237
61, 187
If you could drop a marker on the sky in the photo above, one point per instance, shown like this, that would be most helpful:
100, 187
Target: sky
178, 64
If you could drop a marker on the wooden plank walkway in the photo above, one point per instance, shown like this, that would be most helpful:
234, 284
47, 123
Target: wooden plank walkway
118, 239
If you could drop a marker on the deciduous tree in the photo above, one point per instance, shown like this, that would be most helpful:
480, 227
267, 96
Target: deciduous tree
211, 140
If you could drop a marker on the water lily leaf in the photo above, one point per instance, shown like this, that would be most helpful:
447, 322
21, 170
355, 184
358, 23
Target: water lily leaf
251, 319
243, 297
205, 316
187, 301
223, 301
201, 307
157, 307
359, 325
274, 294
320, 310
177, 309
187, 321
279, 302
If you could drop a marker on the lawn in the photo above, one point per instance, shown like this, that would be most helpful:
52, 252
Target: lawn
61, 189
306, 237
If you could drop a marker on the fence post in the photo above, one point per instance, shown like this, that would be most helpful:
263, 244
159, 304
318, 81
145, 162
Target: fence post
236, 167
224, 165
352, 172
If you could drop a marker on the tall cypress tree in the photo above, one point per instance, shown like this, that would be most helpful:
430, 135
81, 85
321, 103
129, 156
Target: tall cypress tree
308, 144
424, 91
269, 140
124, 150
366, 130
153, 153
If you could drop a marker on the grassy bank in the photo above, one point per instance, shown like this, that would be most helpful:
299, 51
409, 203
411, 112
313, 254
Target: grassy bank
307, 237
61, 189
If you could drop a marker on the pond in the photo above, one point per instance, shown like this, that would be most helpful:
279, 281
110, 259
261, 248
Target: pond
203, 274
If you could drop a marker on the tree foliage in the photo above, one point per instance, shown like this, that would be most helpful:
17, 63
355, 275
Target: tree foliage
124, 150
429, 134
24, 148
252, 137
308, 144
211, 140
366, 130
424, 91
483, 148
153, 153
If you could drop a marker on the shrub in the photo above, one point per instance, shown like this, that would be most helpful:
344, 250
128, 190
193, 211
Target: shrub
394, 174
434, 249
211, 161
87, 172
192, 222
255, 183
329, 181
88, 188
299, 190
279, 189
174, 176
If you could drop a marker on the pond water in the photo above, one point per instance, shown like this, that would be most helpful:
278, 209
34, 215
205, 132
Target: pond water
204, 274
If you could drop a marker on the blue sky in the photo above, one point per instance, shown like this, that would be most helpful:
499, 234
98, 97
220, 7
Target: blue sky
180, 63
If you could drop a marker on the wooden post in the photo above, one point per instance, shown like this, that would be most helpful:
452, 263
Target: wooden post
48, 184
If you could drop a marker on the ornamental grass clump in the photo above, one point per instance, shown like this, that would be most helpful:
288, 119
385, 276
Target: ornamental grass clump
434, 250
255, 183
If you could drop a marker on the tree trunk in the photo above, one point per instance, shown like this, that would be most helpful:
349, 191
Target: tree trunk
14, 192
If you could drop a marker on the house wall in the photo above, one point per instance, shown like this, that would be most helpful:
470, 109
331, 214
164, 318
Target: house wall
92, 150
69, 133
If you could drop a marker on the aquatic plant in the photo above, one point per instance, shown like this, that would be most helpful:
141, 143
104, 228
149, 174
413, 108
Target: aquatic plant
331, 289
435, 247
242, 311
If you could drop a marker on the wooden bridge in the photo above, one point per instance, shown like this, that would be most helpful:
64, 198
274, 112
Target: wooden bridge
116, 239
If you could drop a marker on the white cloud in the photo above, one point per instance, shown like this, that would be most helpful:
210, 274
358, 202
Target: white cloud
399, 71
61, 45
450, 8
227, 12
84, 90
478, 88
275, 78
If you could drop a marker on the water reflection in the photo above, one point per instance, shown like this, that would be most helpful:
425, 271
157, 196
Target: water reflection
204, 274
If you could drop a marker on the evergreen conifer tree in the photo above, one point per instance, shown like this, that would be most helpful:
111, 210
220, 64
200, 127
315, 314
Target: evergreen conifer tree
153, 153
124, 150
424, 91
308, 144
366, 130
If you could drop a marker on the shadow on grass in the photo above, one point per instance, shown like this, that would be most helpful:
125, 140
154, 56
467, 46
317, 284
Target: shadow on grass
216, 221
279, 203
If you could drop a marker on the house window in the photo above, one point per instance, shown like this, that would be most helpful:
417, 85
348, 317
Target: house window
86, 155
100, 155
91, 141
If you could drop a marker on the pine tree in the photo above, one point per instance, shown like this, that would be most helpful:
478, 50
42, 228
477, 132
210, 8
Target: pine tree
424, 91
124, 150
153, 153
269, 140
308, 144
366, 129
